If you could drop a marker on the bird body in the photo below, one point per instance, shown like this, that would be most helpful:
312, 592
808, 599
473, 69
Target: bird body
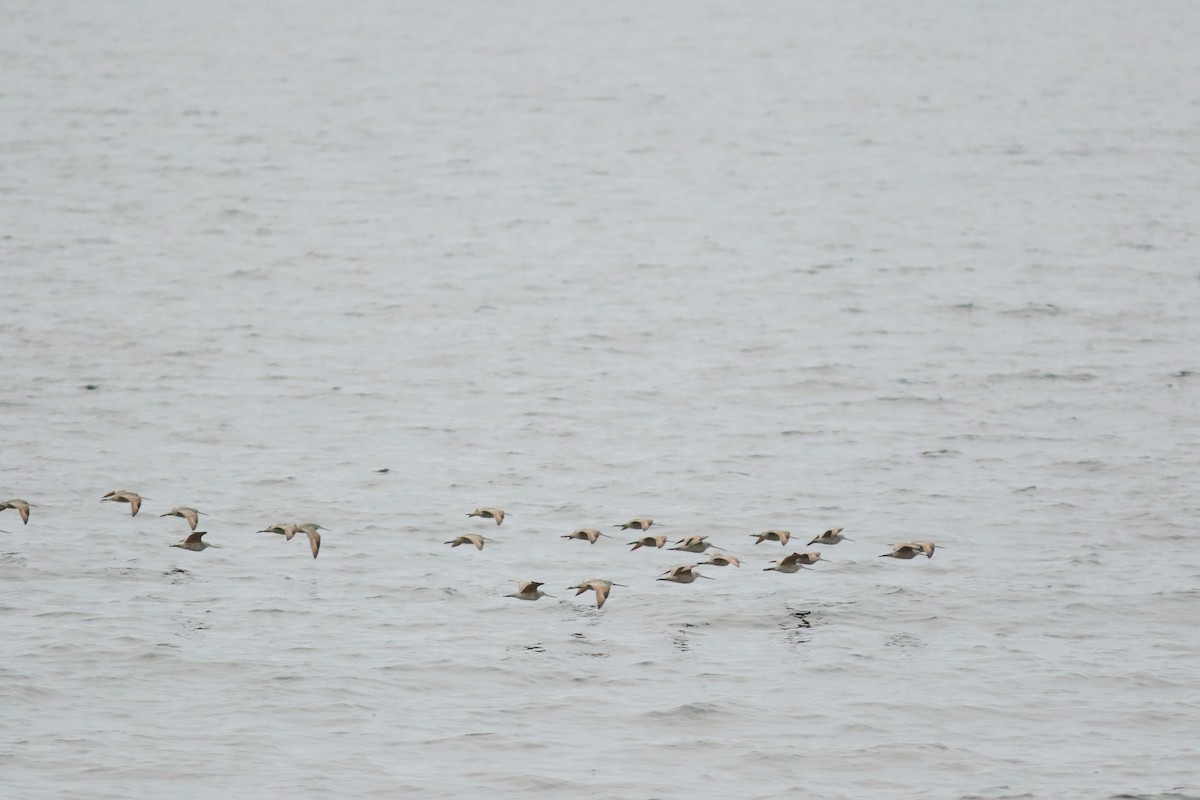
600, 586
649, 541
682, 574
489, 513
772, 536
20, 506
693, 544
189, 515
831, 536
529, 590
470, 538
639, 524
793, 562
903, 551
122, 496
591, 534
721, 560
194, 541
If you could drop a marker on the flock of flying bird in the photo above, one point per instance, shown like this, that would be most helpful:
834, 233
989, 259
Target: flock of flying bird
532, 590
696, 543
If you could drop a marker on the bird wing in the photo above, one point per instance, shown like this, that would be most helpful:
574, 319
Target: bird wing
601, 593
195, 536
314, 541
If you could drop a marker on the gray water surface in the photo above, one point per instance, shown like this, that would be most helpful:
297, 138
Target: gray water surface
922, 270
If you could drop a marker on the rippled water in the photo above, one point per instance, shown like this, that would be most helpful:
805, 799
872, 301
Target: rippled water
919, 269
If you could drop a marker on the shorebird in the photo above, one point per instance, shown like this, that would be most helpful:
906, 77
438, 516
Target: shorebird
649, 541
21, 507
789, 563
693, 544
488, 513
773, 536
288, 531
191, 515
529, 590
121, 496
682, 574
831, 536
639, 524
925, 547
591, 534
194, 541
599, 586
904, 551
721, 560
470, 538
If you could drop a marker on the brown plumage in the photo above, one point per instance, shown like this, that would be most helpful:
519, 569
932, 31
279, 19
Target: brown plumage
190, 515
529, 590
639, 524
489, 513
684, 573
831, 536
20, 506
793, 562
772, 536
721, 560
590, 534
693, 544
903, 551
194, 541
122, 496
649, 541
600, 586
470, 538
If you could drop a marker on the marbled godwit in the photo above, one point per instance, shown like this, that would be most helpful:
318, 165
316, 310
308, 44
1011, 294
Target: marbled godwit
682, 574
190, 515
288, 531
600, 586
489, 513
693, 544
904, 551
591, 534
639, 524
529, 590
789, 563
772, 536
649, 541
721, 560
470, 538
194, 541
21, 507
831, 536
121, 496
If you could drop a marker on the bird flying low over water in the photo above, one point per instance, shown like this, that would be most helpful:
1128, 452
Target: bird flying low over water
189, 515
309, 529
591, 534
831, 536
721, 560
194, 541
772, 536
489, 513
693, 544
649, 541
20, 506
600, 586
682, 574
529, 590
639, 524
793, 562
470, 538
122, 496
909, 550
